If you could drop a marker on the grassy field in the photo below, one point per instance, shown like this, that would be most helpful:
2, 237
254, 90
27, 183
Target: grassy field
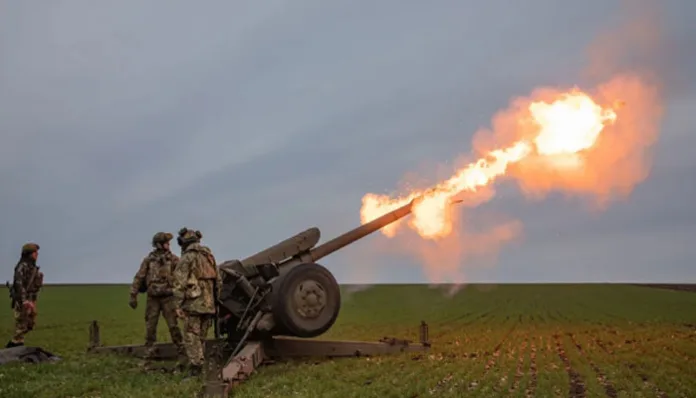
488, 341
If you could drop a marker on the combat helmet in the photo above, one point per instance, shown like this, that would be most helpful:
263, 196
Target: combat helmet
161, 237
188, 236
29, 248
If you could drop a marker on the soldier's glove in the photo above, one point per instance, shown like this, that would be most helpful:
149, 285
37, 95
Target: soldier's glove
179, 313
133, 302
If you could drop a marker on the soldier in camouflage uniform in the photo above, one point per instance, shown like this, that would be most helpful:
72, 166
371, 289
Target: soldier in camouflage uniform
155, 277
196, 286
28, 280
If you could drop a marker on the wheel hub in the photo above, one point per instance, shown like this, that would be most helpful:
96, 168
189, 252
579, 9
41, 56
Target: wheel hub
309, 299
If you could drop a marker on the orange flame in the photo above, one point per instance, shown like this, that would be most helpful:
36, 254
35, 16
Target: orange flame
561, 130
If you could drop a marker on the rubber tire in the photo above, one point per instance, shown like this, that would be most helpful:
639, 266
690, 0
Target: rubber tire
283, 314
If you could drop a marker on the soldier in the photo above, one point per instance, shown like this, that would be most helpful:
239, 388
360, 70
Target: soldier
196, 287
155, 277
27, 282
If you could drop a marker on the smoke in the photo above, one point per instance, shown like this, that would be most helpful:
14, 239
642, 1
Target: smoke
629, 60
611, 169
350, 290
627, 63
448, 290
476, 240
636, 44
357, 288
620, 159
361, 266
625, 72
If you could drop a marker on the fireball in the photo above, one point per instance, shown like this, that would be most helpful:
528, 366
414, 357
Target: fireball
562, 129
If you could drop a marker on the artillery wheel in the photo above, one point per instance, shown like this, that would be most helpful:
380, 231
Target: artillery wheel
307, 301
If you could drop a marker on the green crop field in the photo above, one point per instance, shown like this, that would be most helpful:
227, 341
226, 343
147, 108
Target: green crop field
488, 341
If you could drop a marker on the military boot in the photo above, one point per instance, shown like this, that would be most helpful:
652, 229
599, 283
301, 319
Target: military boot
146, 361
180, 367
181, 361
194, 371
11, 344
145, 365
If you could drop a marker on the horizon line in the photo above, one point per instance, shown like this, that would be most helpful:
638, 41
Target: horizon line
427, 283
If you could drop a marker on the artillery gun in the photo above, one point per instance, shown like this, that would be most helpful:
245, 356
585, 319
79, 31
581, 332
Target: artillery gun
283, 290
274, 302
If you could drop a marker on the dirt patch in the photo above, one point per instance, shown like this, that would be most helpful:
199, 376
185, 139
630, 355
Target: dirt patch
603, 346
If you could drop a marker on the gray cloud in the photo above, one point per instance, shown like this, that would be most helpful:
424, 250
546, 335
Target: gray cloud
253, 122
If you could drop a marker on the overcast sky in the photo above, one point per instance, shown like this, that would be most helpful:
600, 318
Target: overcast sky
252, 121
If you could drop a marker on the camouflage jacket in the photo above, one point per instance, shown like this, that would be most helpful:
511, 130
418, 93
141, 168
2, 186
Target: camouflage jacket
26, 289
197, 280
156, 270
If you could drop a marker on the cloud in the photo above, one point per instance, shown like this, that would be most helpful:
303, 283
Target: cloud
252, 122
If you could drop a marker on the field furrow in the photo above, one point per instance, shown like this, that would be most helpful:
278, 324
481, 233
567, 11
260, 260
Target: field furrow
576, 388
519, 369
552, 380
502, 362
530, 389
608, 386
630, 362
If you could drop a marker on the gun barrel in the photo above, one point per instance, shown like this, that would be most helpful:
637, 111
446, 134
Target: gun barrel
299, 243
360, 232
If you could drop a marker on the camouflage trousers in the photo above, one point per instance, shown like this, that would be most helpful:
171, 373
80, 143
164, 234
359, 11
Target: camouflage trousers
196, 327
24, 322
166, 306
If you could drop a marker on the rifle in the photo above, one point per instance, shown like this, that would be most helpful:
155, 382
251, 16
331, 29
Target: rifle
10, 288
13, 292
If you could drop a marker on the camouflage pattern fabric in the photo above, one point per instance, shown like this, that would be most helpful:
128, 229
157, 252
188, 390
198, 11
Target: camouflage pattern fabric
195, 278
196, 284
25, 321
166, 306
28, 281
156, 270
196, 329
26, 289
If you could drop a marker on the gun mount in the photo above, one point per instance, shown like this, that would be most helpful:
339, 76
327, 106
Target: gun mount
282, 290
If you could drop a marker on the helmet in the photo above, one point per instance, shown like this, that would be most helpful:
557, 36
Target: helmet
161, 237
30, 248
188, 236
